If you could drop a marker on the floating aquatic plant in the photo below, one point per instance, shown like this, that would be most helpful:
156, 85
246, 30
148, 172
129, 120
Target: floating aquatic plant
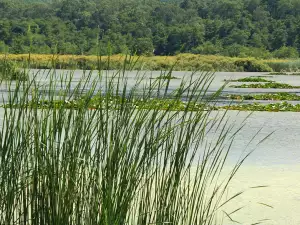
274, 107
270, 96
250, 79
266, 85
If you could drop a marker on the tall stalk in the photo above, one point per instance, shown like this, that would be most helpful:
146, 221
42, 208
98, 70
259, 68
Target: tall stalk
117, 164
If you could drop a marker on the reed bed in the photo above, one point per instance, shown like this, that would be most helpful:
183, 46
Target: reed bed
284, 65
185, 62
115, 164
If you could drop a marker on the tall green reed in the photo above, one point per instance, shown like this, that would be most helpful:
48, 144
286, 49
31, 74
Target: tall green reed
117, 164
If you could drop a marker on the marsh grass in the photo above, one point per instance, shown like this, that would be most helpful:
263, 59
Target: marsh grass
115, 164
284, 65
185, 62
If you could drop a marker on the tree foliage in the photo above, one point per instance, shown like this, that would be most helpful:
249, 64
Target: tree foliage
225, 27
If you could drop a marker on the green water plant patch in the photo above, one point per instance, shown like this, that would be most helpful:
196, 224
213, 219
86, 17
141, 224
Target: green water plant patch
281, 96
250, 79
274, 107
266, 85
116, 102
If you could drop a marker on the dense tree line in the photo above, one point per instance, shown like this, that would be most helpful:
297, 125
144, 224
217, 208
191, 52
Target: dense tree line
259, 28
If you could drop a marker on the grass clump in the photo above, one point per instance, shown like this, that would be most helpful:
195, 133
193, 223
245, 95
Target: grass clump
274, 107
118, 164
266, 85
281, 96
250, 79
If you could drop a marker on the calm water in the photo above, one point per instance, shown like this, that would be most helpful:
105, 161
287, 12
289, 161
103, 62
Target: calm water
215, 85
274, 162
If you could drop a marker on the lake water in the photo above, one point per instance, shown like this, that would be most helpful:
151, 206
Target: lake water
274, 162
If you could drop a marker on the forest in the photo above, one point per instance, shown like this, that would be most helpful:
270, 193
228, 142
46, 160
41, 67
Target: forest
236, 28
